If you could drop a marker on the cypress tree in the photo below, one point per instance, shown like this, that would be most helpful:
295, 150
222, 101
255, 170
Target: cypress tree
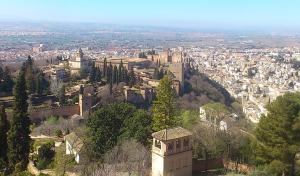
105, 68
98, 75
115, 75
110, 87
1, 73
125, 75
161, 74
29, 75
18, 135
131, 77
92, 75
109, 72
62, 97
4, 127
156, 73
120, 72
8, 83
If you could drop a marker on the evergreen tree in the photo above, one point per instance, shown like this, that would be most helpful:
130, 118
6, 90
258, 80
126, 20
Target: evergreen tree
278, 134
4, 127
110, 87
39, 85
18, 135
125, 76
1, 73
115, 75
6, 82
109, 72
62, 97
156, 73
30, 75
120, 72
131, 78
92, 76
161, 74
105, 68
164, 110
98, 75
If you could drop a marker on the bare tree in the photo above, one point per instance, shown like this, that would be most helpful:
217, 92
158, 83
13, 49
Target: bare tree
129, 158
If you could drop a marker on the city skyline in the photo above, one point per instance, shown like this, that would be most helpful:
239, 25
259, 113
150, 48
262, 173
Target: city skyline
268, 15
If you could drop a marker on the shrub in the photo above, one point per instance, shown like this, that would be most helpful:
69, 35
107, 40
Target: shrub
45, 155
58, 133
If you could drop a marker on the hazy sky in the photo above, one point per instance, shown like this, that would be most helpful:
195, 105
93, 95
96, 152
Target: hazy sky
206, 14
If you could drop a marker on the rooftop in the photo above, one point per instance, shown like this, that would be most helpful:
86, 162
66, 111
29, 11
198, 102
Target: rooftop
169, 134
74, 141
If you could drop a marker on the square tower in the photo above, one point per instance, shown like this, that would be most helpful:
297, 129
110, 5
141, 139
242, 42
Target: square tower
172, 152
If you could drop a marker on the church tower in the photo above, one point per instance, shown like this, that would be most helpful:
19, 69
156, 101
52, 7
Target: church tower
172, 152
79, 55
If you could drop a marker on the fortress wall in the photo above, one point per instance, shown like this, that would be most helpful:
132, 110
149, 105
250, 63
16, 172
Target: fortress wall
37, 115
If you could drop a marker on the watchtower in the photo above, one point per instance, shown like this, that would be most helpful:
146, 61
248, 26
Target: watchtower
172, 152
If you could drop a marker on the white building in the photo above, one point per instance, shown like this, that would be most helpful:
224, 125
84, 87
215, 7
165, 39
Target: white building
73, 146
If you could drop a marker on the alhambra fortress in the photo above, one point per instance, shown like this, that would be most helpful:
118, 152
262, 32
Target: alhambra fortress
168, 61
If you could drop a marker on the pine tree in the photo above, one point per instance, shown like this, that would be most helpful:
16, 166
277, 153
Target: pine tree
278, 134
18, 135
4, 127
164, 110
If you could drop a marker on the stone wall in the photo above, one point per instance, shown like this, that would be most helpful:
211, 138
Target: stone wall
40, 114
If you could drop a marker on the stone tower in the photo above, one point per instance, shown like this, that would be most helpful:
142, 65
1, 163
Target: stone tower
79, 55
172, 152
85, 102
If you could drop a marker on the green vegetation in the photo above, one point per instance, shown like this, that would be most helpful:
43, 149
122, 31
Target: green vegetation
95, 74
62, 96
4, 127
116, 122
277, 134
6, 81
189, 118
164, 111
18, 135
35, 78
52, 120
62, 162
45, 155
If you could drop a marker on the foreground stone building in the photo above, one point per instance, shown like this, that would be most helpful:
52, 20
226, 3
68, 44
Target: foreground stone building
172, 152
